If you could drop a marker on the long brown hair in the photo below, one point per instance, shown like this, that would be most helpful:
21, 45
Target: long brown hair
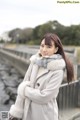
69, 67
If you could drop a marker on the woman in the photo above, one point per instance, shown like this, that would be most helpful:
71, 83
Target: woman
36, 99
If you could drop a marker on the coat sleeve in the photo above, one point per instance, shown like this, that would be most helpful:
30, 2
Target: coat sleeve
25, 82
50, 92
27, 75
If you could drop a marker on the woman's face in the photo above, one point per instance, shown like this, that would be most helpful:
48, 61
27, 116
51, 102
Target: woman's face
47, 50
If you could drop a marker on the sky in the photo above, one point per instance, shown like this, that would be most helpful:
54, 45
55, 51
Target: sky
31, 13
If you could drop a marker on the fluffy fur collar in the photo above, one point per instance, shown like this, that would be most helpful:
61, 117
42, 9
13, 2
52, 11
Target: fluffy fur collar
55, 62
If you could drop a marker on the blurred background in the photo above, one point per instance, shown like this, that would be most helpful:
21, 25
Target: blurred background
22, 25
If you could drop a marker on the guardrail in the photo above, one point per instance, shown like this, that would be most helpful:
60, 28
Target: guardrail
69, 95
71, 51
25, 55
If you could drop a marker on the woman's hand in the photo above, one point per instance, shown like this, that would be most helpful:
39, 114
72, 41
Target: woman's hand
13, 118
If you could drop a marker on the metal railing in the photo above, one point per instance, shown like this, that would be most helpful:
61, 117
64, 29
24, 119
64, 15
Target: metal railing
69, 95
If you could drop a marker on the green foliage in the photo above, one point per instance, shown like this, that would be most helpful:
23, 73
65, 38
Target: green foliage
2, 41
34, 42
69, 35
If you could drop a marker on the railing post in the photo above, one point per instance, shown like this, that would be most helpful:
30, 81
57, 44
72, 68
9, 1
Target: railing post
78, 94
78, 71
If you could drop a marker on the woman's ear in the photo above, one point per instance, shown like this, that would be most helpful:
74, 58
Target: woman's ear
56, 49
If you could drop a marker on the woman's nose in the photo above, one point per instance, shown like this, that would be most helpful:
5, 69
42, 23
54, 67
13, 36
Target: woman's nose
44, 49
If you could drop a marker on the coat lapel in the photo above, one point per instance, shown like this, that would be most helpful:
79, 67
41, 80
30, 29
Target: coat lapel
43, 72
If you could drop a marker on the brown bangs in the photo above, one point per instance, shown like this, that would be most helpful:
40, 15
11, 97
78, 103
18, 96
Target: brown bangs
48, 40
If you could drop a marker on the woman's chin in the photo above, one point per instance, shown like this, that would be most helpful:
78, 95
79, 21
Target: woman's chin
44, 55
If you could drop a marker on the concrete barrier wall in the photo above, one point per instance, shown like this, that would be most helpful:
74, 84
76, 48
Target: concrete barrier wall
21, 64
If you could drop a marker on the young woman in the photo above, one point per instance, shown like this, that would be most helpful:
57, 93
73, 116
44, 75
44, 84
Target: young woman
36, 99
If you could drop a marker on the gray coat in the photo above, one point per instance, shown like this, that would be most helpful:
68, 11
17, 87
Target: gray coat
43, 105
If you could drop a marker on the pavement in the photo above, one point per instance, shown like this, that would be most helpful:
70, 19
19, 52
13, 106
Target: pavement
71, 114
77, 118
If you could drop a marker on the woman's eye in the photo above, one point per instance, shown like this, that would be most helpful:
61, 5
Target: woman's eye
48, 46
42, 45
